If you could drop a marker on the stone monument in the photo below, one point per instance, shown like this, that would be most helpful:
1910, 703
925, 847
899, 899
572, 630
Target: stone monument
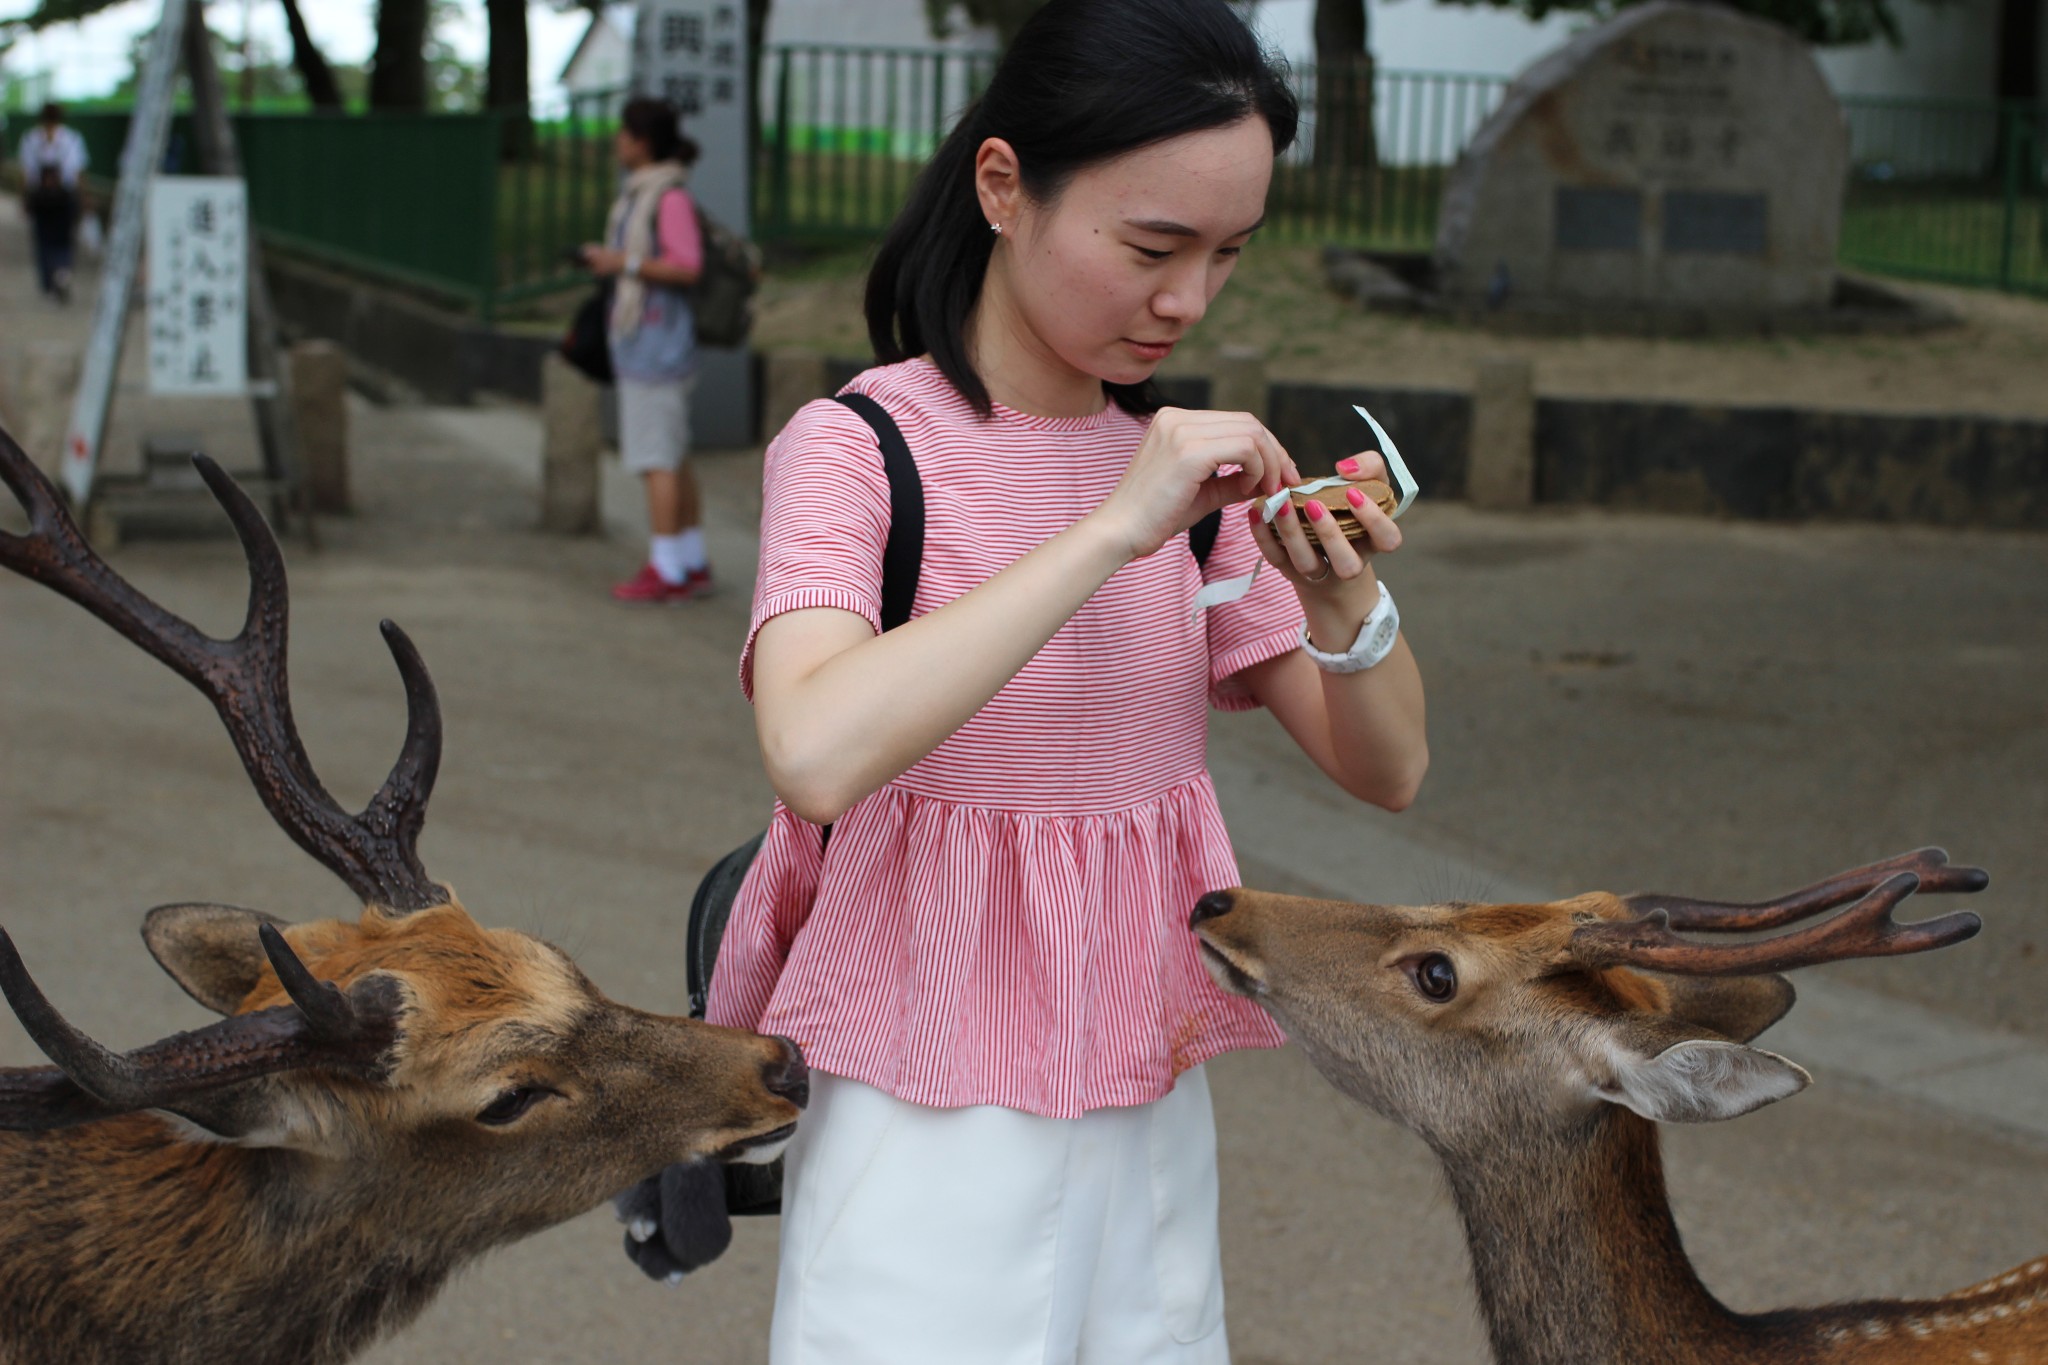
1679, 160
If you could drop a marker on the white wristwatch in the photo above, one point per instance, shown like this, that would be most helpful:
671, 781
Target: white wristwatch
1375, 640
631, 268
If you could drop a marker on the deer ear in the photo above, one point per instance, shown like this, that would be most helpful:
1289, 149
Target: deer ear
210, 950
1738, 1007
1671, 1072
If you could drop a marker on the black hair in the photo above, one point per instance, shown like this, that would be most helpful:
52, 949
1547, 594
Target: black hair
1082, 82
657, 123
52, 113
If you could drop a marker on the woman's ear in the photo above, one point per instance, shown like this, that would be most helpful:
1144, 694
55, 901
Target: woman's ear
998, 182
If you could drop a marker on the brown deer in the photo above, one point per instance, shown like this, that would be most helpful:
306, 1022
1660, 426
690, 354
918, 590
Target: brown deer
1535, 1048
384, 1100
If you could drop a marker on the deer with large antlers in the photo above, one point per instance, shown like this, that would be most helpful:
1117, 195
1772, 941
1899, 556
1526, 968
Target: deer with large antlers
1536, 1047
383, 1099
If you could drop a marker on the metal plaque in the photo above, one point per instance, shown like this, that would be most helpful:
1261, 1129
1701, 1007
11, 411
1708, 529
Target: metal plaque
1704, 221
1599, 219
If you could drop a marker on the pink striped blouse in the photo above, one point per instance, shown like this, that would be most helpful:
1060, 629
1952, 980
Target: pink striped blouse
1005, 923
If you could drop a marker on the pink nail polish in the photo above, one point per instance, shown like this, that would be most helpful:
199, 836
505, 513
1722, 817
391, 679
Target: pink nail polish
1287, 508
1315, 510
1354, 497
1252, 513
1348, 468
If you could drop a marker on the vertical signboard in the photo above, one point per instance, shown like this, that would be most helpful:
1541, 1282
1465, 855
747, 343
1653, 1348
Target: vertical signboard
693, 53
198, 267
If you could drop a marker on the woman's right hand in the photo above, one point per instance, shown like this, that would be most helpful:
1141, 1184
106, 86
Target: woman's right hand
1190, 464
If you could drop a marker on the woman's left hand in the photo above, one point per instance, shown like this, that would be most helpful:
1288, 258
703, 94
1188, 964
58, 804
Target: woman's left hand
1331, 580
602, 260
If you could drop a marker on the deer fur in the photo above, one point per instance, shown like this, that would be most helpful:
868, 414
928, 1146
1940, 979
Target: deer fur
1539, 1086
342, 1206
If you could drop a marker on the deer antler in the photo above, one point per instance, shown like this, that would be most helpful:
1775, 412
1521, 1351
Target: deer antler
1931, 864
322, 1029
244, 678
1865, 929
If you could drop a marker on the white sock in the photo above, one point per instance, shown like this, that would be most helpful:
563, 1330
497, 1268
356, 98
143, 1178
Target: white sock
692, 542
667, 556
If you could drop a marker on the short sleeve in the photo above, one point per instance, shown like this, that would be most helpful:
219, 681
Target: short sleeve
682, 241
1263, 624
824, 522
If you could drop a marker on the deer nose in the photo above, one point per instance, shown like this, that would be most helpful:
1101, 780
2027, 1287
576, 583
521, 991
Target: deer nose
1210, 906
790, 1077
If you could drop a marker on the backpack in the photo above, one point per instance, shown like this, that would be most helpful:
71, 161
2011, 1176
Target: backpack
757, 1189
722, 299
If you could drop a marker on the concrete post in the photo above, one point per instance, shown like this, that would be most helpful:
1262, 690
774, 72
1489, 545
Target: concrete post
49, 385
1238, 383
572, 441
1500, 471
795, 377
319, 392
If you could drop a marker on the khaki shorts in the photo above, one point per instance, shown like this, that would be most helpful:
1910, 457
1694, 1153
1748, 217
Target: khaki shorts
654, 424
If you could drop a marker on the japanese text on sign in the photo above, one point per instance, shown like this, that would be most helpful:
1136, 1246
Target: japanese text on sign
198, 273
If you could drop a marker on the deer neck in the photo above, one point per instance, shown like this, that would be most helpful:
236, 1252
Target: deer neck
279, 1259
1573, 1246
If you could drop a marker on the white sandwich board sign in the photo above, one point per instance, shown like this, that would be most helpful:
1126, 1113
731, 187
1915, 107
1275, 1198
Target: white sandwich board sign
198, 270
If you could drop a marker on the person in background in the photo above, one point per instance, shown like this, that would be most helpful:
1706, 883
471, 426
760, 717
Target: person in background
654, 249
53, 157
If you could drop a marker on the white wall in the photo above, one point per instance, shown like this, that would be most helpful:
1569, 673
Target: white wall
1950, 52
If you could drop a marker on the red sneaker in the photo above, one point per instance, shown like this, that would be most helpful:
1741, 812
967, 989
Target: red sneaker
649, 586
645, 586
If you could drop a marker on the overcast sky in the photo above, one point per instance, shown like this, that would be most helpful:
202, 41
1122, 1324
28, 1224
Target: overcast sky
90, 58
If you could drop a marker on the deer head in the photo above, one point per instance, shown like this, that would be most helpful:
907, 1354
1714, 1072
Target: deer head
1465, 1022
477, 1085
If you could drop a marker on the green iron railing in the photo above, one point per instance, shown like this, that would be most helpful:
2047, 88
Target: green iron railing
846, 129
482, 209
1949, 191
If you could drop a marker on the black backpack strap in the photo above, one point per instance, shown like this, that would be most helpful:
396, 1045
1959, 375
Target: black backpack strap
1202, 537
903, 554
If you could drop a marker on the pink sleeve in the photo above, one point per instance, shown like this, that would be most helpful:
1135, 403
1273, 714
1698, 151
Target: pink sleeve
1263, 624
676, 227
824, 521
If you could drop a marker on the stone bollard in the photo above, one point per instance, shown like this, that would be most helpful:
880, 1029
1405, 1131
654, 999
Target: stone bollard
49, 387
572, 441
1500, 471
795, 377
319, 394
1238, 383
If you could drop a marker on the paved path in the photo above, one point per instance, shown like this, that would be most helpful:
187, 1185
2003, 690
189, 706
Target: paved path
1717, 709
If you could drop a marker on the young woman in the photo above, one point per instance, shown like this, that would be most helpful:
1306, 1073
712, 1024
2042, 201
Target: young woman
654, 249
1010, 1154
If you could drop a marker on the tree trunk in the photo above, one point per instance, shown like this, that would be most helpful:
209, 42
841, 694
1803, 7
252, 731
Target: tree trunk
757, 38
398, 71
505, 78
314, 72
1344, 72
2019, 83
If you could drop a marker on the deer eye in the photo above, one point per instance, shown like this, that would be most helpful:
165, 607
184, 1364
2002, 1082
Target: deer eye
511, 1104
1433, 975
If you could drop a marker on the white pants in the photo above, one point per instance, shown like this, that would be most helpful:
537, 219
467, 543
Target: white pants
988, 1236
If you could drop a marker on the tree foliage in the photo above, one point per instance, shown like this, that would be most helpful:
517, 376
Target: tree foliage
1824, 23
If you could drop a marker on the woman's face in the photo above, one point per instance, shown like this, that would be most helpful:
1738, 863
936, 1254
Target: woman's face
633, 152
1115, 271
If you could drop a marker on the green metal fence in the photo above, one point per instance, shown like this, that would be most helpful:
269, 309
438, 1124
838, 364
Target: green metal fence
478, 210
1950, 191
845, 129
481, 209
